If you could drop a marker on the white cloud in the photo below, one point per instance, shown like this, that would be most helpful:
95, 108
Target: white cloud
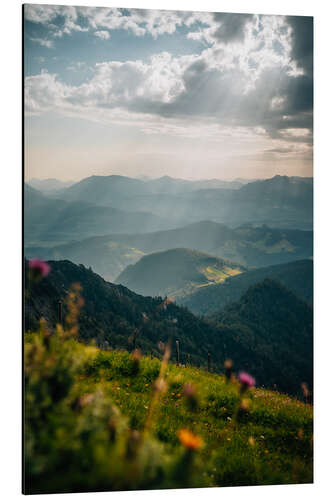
41, 13
103, 35
44, 93
43, 42
47, 14
139, 22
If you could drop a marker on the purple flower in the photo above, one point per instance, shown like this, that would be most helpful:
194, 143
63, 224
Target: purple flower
246, 380
39, 268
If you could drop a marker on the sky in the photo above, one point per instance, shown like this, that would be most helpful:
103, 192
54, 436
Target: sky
151, 93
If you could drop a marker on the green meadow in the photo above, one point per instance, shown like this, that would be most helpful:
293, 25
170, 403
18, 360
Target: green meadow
110, 420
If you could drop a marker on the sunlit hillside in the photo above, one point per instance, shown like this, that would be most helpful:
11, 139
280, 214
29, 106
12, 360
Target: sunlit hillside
107, 420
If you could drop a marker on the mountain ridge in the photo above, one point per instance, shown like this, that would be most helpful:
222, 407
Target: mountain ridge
112, 313
297, 276
175, 272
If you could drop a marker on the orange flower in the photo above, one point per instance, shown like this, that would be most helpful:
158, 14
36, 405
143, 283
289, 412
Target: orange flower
189, 440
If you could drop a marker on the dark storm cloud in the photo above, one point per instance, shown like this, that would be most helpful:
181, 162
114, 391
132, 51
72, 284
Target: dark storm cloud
211, 94
302, 42
231, 27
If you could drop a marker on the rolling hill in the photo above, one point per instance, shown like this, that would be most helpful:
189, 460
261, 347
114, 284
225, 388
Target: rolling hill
247, 245
280, 201
296, 276
251, 246
176, 272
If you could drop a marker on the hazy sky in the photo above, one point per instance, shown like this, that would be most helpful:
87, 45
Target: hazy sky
143, 92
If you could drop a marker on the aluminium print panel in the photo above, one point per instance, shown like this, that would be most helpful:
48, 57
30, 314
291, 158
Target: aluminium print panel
168, 249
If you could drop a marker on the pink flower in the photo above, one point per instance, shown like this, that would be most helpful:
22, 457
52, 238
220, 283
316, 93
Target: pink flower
246, 380
39, 267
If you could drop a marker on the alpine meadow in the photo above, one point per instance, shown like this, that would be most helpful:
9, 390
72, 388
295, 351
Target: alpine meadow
168, 249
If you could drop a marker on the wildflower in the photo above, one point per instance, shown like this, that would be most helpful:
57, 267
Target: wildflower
251, 441
245, 404
136, 356
246, 380
190, 440
189, 392
228, 368
38, 269
85, 400
306, 392
243, 409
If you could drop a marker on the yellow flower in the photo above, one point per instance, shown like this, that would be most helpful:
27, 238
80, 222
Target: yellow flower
190, 440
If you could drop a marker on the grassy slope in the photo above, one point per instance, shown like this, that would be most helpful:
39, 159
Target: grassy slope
176, 272
270, 444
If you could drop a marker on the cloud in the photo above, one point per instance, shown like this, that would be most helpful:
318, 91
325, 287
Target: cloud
170, 88
230, 27
44, 92
43, 42
103, 35
254, 72
302, 42
42, 14
64, 19
51, 15
282, 150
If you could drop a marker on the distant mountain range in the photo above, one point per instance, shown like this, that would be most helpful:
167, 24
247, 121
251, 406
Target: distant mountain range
251, 246
296, 276
99, 206
49, 185
176, 272
268, 332
281, 201
50, 220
